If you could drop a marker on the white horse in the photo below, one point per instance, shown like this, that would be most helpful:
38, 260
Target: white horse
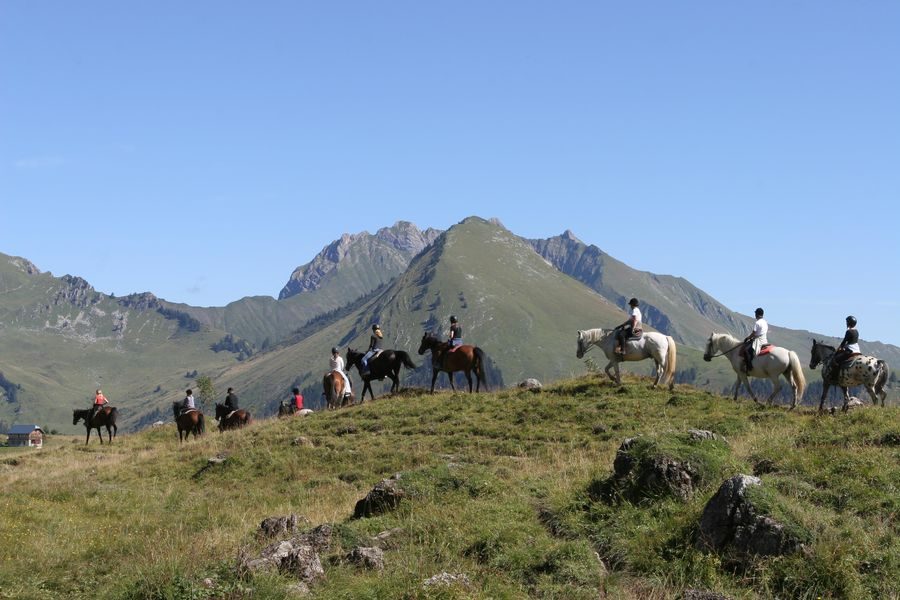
775, 363
659, 347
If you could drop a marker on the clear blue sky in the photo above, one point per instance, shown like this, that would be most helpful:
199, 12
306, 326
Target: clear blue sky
202, 150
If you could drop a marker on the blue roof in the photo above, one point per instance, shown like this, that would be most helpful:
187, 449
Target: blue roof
20, 429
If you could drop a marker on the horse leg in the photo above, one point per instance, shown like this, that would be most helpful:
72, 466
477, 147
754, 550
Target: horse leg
100, 435
776, 388
825, 388
88, 436
608, 367
846, 405
469, 379
434, 374
871, 389
659, 372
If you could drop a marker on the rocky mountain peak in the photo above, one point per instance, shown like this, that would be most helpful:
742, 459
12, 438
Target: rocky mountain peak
24, 265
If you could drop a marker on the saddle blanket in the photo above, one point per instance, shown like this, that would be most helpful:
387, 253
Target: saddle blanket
766, 349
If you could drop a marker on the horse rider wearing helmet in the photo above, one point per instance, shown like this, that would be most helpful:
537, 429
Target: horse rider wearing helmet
375, 345
337, 364
455, 333
756, 340
630, 328
849, 345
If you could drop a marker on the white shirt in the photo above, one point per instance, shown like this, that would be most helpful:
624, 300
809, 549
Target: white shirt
189, 402
636, 313
760, 329
336, 363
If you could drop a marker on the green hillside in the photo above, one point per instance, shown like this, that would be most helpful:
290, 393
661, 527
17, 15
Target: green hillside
520, 310
60, 340
509, 495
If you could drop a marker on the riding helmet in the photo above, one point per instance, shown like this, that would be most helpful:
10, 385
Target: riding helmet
334, 350
452, 319
375, 327
760, 312
633, 302
851, 321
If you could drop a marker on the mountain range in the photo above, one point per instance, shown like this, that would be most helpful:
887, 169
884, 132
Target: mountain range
520, 300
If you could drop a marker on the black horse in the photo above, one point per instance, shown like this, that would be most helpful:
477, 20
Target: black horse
231, 419
386, 364
105, 417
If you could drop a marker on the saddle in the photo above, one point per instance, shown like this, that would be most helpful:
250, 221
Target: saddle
766, 349
635, 335
229, 415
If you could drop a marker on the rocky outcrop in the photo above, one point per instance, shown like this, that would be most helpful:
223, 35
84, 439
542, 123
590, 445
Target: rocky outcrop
367, 558
384, 497
731, 522
383, 255
288, 557
75, 291
141, 302
272, 527
532, 385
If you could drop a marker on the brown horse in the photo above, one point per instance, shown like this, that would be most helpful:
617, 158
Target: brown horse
464, 358
105, 417
188, 423
229, 419
333, 386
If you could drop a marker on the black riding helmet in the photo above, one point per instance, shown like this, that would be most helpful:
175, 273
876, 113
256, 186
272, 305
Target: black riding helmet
634, 302
452, 319
851, 321
334, 350
760, 312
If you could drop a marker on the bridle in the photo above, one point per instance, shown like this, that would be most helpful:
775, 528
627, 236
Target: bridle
712, 356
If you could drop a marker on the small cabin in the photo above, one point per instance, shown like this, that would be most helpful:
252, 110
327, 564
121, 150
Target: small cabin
26, 435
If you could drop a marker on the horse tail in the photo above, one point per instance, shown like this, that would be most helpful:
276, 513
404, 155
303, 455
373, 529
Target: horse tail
201, 425
405, 359
671, 360
797, 374
479, 366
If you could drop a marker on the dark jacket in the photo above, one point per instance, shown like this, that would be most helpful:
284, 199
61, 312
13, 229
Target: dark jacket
375, 343
231, 401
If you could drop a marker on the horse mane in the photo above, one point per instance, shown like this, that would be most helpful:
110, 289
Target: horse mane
594, 335
727, 337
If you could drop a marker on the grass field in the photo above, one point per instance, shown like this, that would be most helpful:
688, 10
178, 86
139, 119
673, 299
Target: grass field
502, 488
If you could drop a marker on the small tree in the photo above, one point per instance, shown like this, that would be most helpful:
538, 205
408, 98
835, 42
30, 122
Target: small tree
206, 391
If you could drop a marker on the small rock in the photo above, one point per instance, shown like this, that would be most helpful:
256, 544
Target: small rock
209, 583
297, 590
854, 402
367, 558
700, 435
318, 537
448, 579
532, 385
384, 497
383, 538
703, 595
302, 441
271, 527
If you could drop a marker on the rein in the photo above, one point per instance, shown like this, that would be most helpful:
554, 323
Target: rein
727, 351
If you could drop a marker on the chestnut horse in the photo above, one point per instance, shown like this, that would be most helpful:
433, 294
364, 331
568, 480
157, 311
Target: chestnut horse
189, 422
105, 417
334, 386
464, 358
231, 419
385, 364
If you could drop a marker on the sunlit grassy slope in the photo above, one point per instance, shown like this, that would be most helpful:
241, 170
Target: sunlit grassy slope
501, 489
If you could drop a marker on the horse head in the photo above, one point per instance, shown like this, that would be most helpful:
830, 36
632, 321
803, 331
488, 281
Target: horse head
579, 353
708, 354
77, 415
353, 358
427, 342
819, 354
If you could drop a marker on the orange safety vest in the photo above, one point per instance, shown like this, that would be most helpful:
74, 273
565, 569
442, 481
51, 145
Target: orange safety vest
101, 399
298, 401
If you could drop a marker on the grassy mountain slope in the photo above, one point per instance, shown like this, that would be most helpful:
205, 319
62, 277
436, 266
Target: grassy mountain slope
349, 268
60, 340
503, 488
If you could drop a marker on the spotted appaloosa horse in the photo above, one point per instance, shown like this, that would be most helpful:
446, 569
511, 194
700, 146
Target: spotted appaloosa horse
862, 370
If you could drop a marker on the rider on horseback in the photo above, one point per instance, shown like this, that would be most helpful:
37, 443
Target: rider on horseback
849, 345
374, 347
231, 400
756, 340
337, 364
188, 402
455, 333
628, 329
99, 402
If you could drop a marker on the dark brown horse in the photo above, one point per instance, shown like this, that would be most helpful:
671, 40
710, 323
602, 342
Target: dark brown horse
189, 422
105, 417
464, 358
229, 419
386, 364
333, 386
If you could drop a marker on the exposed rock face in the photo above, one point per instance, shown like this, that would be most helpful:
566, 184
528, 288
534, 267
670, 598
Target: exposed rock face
731, 522
654, 475
383, 255
76, 292
142, 301
299, 560
24, 265
384, 497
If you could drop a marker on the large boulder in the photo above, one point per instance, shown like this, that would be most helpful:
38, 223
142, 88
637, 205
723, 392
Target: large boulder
288, 557
367, 558
642, 475
384, 497
731, 522
272, 527
532, 385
